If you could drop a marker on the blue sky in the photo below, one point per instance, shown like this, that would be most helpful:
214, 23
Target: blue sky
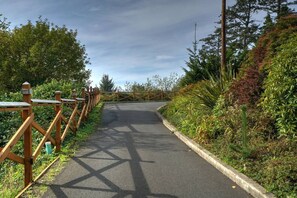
130, 40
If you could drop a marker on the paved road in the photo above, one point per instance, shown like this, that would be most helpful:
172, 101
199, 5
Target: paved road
134, 155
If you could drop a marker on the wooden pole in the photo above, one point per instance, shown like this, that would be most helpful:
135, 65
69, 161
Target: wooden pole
92, 98
83, 95
223, 35
74, 107
28, 160
58, 124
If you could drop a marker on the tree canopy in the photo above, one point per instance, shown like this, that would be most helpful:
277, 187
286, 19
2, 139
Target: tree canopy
39, 52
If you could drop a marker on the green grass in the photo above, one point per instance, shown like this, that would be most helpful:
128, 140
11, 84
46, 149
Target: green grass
11, 174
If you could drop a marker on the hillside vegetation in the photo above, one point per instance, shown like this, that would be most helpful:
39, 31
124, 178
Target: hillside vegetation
250, 121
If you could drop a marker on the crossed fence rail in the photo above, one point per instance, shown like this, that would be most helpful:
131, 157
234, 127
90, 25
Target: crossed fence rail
80, 109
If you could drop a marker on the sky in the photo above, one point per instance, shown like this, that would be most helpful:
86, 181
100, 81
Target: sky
130, 40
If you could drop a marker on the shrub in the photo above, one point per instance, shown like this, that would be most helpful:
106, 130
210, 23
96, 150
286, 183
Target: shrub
280, 96
247, 88
280, 175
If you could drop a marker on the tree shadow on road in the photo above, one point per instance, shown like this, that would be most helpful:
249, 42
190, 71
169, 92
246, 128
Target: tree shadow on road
92, 172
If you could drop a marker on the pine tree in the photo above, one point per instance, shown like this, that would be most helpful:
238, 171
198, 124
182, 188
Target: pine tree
243, 30
278, 7
268, 24
106, 84
194, 71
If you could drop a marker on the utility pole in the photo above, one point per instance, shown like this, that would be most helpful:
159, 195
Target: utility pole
223, 35
195, 33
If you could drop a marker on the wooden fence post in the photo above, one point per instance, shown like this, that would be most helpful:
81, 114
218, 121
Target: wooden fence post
75, 103
26, 91
99, 95
83, 95
92, 98
58, 124
88, 102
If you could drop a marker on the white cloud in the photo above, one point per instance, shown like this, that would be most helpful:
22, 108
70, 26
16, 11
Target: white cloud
164, 57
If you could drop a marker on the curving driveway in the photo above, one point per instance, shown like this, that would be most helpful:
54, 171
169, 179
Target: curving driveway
134, 155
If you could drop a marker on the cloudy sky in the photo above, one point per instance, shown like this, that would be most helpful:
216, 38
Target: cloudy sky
128, 39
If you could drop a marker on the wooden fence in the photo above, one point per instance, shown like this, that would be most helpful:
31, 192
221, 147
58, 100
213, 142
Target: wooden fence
137, 96
80, 109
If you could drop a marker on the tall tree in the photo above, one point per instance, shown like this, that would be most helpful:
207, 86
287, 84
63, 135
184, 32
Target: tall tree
268, 24
40, 52
106, 84
194, 72
278, 7
4, 52
243, 29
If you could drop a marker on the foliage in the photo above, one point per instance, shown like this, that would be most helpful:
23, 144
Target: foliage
7, 129
47, 90
40, 52
280, 7
280, 96
155, 83
153, 95
106, 84
253, 144
193, 102
242, 27
247, 89
184, 113
280, 173
244, 149
10, 121
268, 24
167, 83
195, 71
248, 86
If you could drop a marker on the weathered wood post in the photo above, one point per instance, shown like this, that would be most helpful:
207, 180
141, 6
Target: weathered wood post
91, 98
28, 160
58, 124
97, 96
83, 95
74, 95
88, 102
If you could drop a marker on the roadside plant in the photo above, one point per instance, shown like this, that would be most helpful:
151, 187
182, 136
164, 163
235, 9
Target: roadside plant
280, 96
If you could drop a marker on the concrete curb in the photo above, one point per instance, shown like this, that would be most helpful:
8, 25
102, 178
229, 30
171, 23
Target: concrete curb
240, 179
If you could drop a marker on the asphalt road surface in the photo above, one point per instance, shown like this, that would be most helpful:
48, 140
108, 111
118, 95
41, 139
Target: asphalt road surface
134, 155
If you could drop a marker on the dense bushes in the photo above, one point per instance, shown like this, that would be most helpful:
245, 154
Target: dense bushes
280, 95
10, 121
264, 146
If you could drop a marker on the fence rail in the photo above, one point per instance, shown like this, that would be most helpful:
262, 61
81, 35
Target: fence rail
80, 109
